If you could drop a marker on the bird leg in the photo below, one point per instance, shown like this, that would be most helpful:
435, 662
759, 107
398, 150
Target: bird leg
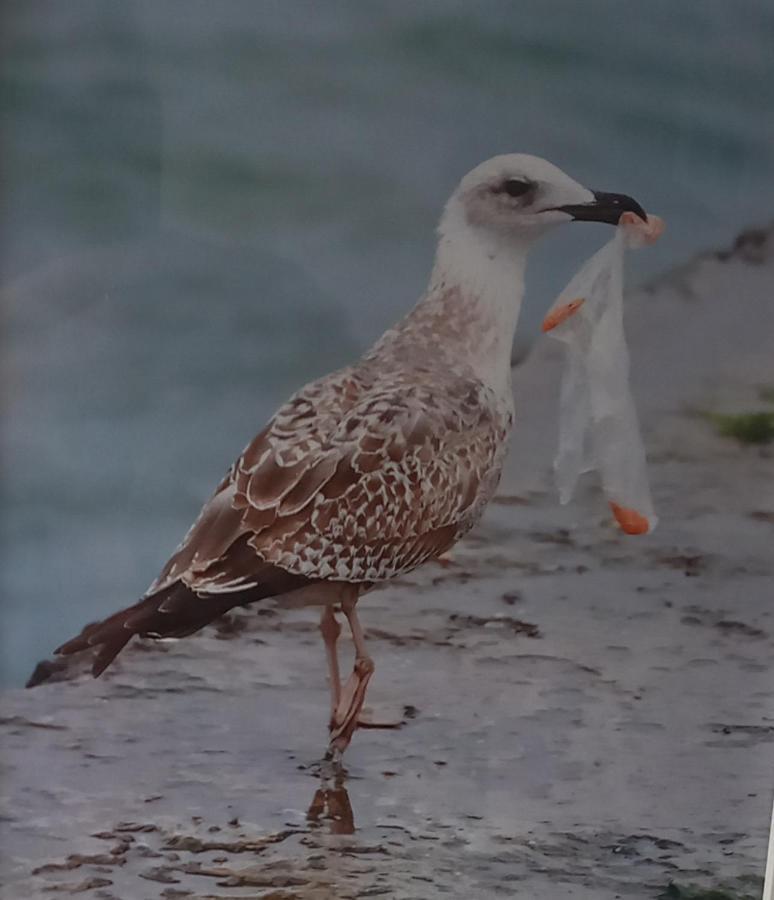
347, 701
331, 630
352, 695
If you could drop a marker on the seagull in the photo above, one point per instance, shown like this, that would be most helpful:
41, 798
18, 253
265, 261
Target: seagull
377, 468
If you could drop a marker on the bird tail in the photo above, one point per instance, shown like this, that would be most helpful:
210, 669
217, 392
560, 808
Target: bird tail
173, 612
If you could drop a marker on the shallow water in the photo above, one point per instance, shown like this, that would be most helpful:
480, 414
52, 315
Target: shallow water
204, 209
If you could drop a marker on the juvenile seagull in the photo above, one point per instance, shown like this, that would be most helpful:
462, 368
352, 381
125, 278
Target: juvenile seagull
371, 471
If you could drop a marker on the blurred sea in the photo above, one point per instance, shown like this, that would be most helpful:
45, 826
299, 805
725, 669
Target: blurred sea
205, 205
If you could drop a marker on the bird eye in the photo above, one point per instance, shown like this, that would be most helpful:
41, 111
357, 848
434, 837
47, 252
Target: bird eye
515, 187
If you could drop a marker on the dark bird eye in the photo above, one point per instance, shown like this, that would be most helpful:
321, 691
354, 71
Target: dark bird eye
514, 187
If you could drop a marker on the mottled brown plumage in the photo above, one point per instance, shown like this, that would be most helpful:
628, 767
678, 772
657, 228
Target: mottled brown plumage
359, 477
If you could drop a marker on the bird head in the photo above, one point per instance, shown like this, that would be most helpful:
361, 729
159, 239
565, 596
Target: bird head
518, 196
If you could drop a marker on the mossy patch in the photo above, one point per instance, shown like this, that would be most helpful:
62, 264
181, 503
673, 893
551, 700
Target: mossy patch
747, 428
676, 891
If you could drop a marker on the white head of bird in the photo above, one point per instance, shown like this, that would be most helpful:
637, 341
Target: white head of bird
515, 198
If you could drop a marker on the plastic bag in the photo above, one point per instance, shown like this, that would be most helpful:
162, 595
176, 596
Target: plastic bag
598, 427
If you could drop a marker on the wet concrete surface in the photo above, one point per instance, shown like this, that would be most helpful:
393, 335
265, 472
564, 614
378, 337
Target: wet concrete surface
584, 715
615, 745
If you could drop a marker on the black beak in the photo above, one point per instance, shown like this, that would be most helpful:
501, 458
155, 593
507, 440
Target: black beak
604, 208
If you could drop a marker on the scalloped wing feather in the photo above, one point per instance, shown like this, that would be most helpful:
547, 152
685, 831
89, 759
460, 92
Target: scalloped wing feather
349, 483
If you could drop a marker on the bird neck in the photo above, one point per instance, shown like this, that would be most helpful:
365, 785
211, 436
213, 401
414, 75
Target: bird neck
473, 300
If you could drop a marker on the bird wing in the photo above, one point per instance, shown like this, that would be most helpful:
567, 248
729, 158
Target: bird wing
353, 480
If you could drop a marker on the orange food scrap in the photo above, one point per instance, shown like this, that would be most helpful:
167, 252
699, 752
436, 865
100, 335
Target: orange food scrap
630, 520
649, 232
557, 316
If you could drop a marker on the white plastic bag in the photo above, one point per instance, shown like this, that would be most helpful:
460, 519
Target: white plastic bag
598, 427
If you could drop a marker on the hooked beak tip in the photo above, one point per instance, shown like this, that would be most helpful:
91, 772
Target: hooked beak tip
604, 207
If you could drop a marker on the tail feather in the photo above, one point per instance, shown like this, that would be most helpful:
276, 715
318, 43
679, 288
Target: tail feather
145, 618
108, 652
175, 611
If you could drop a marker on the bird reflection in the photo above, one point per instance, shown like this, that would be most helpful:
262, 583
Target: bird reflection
330, 806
